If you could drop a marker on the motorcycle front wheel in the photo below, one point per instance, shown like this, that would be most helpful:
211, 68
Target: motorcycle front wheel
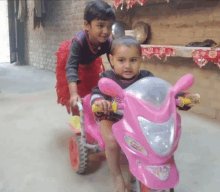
137, 186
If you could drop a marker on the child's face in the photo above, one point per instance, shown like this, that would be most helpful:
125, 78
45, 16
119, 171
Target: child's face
99, 30
126, 61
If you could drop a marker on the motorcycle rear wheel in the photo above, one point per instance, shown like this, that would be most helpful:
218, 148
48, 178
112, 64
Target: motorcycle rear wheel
78, 155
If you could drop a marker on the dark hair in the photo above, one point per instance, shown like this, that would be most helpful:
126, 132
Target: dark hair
98, 10
127, 41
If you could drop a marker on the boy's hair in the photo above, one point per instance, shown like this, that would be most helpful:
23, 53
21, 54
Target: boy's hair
99, 10
127, 41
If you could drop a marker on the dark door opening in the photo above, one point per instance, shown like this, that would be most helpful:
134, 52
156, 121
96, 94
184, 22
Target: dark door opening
4, 35
16, 33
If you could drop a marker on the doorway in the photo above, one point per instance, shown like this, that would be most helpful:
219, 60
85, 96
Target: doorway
4, 33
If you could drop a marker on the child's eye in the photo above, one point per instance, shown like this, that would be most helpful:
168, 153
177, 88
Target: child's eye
100, 26
133, 60
121, 60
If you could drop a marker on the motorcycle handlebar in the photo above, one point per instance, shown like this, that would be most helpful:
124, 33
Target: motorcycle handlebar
184, 101
179, 102
96, 109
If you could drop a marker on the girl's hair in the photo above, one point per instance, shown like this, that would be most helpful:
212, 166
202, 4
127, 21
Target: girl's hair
127, 41
98, 10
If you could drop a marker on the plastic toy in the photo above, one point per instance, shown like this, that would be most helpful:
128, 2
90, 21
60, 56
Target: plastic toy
148, 133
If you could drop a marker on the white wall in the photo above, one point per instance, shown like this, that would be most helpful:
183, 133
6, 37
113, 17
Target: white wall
4, 34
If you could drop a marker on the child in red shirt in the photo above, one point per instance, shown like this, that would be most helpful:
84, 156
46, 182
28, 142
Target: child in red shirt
77, 75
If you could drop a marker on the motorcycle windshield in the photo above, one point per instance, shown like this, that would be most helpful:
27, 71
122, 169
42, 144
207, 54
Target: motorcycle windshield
154, 91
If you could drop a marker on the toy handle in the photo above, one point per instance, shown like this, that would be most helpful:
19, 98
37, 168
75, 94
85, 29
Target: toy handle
184, 101
96, 109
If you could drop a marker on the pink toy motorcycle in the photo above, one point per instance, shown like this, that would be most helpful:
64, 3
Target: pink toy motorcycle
148, 133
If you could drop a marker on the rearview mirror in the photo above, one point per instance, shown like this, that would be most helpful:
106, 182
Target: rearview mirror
183, 83
110, 87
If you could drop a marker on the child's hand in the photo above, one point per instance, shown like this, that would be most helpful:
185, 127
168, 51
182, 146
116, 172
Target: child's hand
74, 99
104, 105
195, 98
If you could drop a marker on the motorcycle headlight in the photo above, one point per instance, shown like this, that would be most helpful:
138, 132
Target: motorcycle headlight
160, 136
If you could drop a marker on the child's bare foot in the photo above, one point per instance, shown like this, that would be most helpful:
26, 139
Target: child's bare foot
119, 184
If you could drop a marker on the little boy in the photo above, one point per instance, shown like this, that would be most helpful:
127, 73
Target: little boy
126, 58
81, 56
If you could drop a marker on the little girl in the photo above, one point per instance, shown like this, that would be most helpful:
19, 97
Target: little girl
126, 59
77, 75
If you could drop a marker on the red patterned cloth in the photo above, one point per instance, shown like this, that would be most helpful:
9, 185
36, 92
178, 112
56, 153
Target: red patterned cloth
130, 3
202, 57
159, 52
116, 3
141, 2
88, 74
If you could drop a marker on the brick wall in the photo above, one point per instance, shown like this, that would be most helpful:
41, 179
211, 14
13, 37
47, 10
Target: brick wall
64, 19
172, 24
180, 24
207, 81
169, 26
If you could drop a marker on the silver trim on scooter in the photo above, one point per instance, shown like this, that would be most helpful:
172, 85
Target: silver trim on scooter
94, 148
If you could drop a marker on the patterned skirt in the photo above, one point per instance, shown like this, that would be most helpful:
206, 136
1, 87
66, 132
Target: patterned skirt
88, 75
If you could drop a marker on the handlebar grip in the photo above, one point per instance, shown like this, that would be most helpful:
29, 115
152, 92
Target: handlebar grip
185, 101
114, 107
96, 109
